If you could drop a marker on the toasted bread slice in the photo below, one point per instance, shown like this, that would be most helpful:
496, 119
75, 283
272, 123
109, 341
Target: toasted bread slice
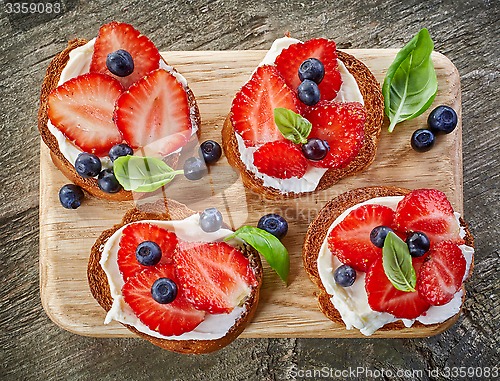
317, 232
169, 210
374, 105
50, 81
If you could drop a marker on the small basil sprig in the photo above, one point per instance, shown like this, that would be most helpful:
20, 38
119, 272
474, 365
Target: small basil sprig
143, 174
293, 126
398, 267
410, 84
268, 245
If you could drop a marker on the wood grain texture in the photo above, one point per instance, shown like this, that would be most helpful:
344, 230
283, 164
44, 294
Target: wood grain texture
67, 236
33, 347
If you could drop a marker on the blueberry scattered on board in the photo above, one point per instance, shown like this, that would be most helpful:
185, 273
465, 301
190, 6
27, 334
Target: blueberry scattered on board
274, 224
87, 165
378, 234
71, 196
210, 151
344, 276
195, 168
315, 149
164, 290
210, 220
107, 181
148, 253
418, 244
422, 140
120, 63
443, 119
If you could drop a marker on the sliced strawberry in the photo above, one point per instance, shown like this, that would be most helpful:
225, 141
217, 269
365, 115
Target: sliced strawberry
350, 239
342, 126
216, 276
170, 319
280, 159
252, 111
384, 297
82, 108
115, 36
290, 59
154, 114
132, 236
430, 212
442, 273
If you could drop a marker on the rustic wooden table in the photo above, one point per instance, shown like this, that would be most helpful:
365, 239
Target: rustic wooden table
32, 347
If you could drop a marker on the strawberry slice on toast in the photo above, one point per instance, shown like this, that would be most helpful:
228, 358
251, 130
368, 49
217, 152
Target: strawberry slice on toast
290, 59
171, 319
135, 234
82, 109
384, 297
280, 159
342, 126
350, 239
430, 212
252, 110
154, 114
120, 36
216, 277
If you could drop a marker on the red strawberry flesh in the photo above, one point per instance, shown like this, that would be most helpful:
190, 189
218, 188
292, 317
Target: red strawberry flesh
280, 159
441, 275
115, 36
170, 319
154, 114
290, 59
132, 236
82, 109
350, 239
430, 212
252, 110
216, 277
384, 297
342, 126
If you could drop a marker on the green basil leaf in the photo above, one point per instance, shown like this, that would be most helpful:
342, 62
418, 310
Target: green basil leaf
268, 245
142, 174
293, 126
398, 267
410, 84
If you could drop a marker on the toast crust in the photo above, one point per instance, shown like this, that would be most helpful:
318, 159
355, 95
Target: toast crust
168, 210
50, 81
316, 234
374, 105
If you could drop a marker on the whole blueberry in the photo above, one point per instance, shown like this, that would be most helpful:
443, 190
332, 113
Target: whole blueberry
119, 150
107, 181
443, 119
422, 140
312, 69
120, 63
378, 234
344, 276
315, 149
308, 92
274, 224
87, 165
418, 244
210, 220
210, 151
148, 253
71, 196
164, 290
194, 168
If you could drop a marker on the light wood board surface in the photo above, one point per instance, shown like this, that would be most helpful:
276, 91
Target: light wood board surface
66, 236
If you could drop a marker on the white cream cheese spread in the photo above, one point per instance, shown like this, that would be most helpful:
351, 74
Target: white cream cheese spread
78, 64
352, 302
213, 327
349, 92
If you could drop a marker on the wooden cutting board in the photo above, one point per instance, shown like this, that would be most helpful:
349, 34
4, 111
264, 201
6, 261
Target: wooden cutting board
66, 236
